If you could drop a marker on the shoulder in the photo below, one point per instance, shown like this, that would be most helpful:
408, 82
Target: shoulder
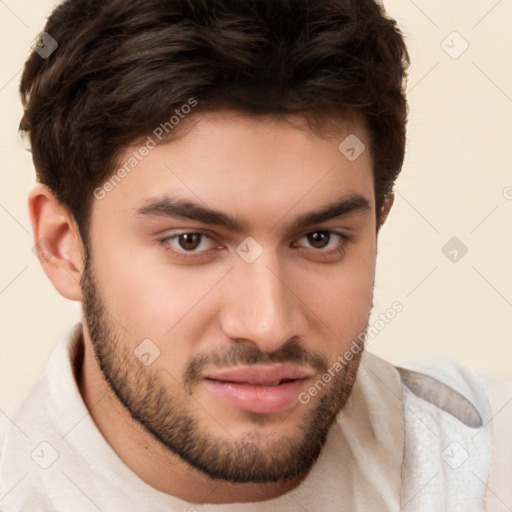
444, 383
499, 495
471, 412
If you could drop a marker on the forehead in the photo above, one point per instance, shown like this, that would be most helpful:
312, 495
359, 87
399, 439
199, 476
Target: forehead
251, 165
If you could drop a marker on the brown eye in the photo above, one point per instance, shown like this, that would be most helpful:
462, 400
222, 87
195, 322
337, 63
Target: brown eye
322, 245
193, 246
319, 239
189, 241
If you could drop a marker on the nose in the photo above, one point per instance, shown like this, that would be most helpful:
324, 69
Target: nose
263, 307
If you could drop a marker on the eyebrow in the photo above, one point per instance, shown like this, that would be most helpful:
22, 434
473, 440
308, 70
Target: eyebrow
183, 208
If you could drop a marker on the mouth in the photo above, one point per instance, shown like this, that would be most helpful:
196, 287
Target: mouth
259, 389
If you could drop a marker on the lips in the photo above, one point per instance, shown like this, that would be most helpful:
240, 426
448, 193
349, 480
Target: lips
259, 388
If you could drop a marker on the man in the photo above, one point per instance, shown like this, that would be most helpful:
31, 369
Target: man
212, 180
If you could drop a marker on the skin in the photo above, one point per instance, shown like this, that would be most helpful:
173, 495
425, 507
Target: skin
217, 303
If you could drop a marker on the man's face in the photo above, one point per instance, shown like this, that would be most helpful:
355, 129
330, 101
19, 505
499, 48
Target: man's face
208, 331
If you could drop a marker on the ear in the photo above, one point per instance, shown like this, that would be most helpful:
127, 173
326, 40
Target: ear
386, 207
58, 244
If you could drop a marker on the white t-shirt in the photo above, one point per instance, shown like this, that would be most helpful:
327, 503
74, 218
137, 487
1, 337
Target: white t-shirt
431, 439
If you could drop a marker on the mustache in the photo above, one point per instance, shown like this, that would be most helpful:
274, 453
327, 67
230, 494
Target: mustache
291, 352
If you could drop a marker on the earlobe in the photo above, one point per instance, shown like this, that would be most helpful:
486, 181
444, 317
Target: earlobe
386, 208
58, 244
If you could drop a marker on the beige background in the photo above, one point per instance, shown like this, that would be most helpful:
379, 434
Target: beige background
457, 182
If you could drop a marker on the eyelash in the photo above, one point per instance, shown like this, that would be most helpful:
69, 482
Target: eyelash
338, 249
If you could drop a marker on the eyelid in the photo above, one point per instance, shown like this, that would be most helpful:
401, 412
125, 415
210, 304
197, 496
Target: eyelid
207, 234
193, 255
190, 232
331, 232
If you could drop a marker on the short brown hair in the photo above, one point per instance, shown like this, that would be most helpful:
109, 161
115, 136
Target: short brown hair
122, 67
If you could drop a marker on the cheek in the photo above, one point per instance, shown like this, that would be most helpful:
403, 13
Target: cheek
350, 282
341, 295
130, 287
151, 298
